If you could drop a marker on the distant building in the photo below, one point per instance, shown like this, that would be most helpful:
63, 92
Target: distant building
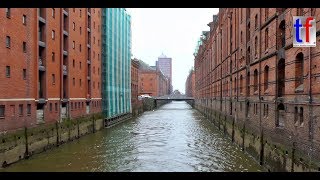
152, 81
116, 62
164, 64
190, 84
136, 104
176, 92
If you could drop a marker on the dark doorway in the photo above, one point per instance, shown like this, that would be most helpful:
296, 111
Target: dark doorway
281, 77
280, 115
282, 31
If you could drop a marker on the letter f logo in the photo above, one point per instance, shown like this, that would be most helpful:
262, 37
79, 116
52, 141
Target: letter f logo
307, 26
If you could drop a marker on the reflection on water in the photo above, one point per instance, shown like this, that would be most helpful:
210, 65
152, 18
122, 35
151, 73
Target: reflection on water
172, 138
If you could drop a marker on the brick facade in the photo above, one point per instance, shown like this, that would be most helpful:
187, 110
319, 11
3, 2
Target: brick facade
190, 84
247, 69
50, 64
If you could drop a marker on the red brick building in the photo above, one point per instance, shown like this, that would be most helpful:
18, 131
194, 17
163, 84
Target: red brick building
136, 104
248, 73
190, 84
50, 59
153, 82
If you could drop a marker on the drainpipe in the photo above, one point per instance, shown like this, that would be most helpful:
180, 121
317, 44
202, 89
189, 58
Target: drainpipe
310, 111
260, 118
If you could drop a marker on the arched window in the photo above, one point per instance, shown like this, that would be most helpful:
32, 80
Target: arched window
281, 115
256, 46
266, 43
299, 11
256, 21
255, 79
301, 115
241, 84
281, 77
248, 84
266, 77
235, 85
296, 115
266, 13
299, 69
282, 29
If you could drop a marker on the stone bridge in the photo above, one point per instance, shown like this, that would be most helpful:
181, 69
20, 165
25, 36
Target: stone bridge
175, 97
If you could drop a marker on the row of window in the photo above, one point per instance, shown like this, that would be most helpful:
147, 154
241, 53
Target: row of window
266, 14
80, 82
21, 108
24, 45
89, 10
94, 69
78, 105
151, 79
8, 44
24, 17
24, 75
13, 110
298, 73
8, 72
55, 107
80, 29
74, 45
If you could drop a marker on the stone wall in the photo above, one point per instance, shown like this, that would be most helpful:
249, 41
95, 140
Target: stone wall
29, 141
272, 154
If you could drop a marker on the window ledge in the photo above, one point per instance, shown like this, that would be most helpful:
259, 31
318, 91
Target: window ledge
40, 122
280, 127
1, 117
299, 89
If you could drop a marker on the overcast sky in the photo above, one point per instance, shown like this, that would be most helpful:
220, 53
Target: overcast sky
172, 31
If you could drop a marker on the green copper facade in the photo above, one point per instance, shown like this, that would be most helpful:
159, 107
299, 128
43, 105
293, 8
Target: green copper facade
116, 62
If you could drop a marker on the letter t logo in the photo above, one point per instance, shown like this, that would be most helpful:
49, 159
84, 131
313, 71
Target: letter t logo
297, 25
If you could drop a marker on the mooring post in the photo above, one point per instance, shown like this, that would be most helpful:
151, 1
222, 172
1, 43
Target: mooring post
26, 154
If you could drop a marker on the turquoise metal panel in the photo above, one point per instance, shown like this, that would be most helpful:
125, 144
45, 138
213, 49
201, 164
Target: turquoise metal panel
116, 57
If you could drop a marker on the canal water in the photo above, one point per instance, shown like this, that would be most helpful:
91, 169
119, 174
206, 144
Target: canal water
172, 138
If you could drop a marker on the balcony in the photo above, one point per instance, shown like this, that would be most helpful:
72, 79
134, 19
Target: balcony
88, 45
89, 13
65, 12
41, 19
41, 100
88, 61
64, 100
65, 52
41, 65
42, 44
88, 29
88, 77
64, 68
65, 32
